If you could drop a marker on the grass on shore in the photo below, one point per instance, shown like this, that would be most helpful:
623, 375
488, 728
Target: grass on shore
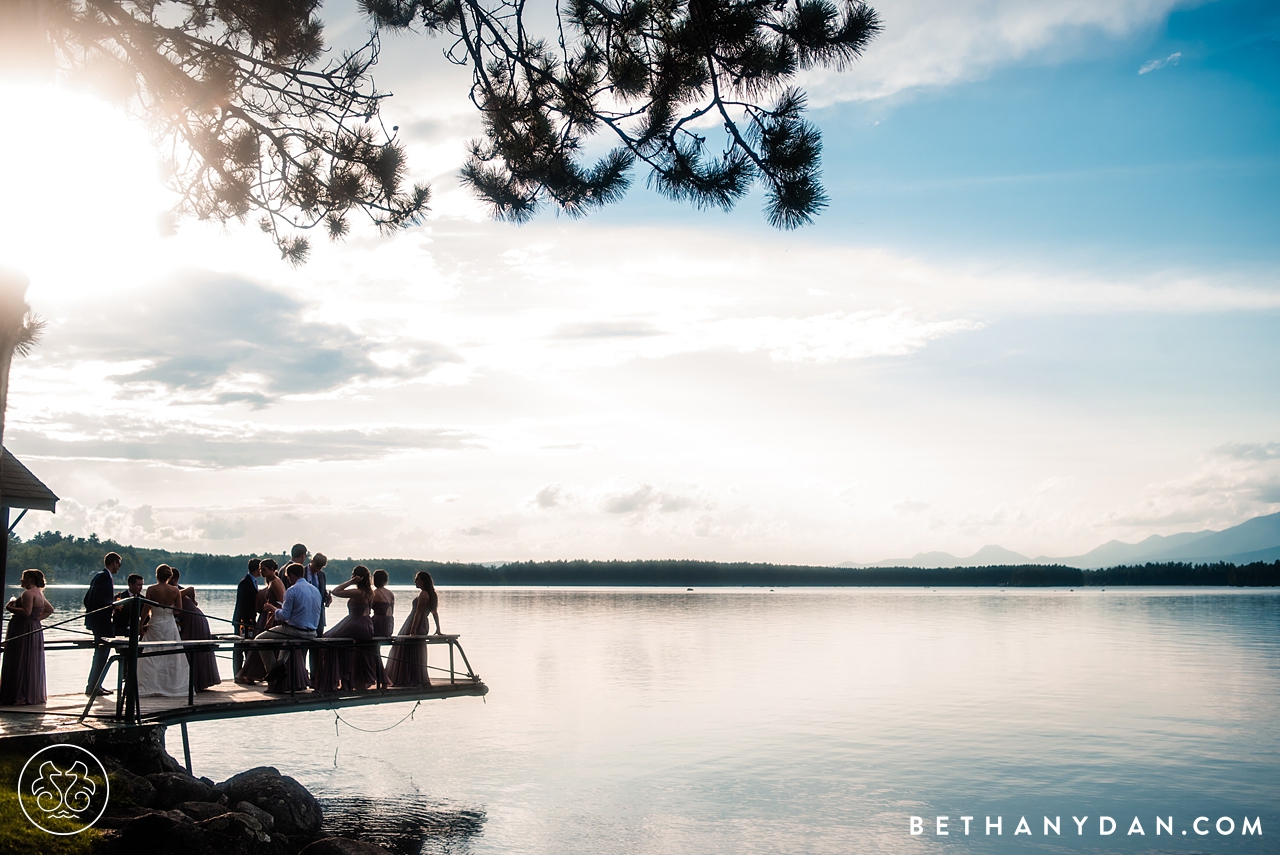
18, 836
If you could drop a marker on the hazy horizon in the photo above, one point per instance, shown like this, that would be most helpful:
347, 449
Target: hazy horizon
1040, 312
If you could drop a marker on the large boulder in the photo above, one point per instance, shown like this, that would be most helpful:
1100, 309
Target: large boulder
163, 834
202, 810
174, 788
296, 811
267, 820
343, 846
131, 788
239, 834
120, 814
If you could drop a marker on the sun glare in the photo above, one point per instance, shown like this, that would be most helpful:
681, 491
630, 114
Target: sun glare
83, 195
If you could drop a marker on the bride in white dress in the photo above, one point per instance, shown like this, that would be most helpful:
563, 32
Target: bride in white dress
165, 675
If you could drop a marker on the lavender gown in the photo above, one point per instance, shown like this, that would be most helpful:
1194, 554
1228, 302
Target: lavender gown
194, 626
407, 663
344, 668
22, 672
384, 625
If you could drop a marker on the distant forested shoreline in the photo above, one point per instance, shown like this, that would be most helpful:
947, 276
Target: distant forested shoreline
66, 559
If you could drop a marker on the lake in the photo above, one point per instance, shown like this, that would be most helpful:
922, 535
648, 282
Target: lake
807, 721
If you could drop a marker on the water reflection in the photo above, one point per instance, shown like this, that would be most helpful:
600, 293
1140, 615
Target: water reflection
405, 826
814, 721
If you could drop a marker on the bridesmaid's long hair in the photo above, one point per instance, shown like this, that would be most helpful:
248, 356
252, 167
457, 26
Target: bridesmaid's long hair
424, 581
361, 574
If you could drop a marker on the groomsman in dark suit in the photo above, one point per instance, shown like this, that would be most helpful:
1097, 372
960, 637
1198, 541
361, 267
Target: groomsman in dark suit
122, 614
314, 574
97, 606
245, 615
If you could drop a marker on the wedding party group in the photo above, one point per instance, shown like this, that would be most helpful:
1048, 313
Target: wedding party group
284, 608
272, 604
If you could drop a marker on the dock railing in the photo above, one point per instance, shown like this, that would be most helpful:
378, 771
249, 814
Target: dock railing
127, 650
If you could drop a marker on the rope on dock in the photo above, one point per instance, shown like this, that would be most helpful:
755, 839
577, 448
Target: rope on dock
338, 718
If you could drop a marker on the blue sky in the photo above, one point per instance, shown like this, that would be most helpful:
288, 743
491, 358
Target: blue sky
1076, 159
1040, 311
1084, 159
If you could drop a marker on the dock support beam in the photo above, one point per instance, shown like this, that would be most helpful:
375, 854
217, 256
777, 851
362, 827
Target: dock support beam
186, 748
4, 552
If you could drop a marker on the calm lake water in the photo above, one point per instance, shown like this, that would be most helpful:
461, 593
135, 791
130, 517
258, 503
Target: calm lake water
808, 721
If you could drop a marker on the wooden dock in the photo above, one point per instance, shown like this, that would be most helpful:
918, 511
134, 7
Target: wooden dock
226, 700
125, 708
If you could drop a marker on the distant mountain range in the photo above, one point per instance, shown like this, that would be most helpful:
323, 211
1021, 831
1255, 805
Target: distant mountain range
1255, 540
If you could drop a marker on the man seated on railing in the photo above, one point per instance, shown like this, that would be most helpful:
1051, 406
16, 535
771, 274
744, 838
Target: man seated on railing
297, 618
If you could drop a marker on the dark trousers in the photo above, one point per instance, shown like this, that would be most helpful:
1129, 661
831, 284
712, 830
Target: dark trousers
101, 653
244, 630
315, 652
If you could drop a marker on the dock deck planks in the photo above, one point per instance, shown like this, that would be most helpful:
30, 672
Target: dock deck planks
226, 700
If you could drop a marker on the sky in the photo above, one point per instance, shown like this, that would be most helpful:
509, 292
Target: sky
1040, 312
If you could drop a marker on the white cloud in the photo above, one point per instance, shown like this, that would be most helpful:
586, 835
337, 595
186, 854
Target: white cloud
825, 338
1156, 64
1229, 485
628, 497
930, 43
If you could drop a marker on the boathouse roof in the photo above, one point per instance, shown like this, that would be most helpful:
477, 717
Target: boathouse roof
20, 489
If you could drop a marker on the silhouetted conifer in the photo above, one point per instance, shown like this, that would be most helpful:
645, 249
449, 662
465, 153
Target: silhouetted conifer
256, 120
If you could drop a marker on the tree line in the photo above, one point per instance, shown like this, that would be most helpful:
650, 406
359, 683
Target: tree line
69, 559
1255, 574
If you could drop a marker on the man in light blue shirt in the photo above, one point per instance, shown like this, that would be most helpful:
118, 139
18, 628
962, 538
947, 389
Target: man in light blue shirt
297, 618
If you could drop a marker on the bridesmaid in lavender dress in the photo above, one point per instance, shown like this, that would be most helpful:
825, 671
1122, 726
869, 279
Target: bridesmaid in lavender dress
384, 606
407, 663
194, 626
22, 672
343, 667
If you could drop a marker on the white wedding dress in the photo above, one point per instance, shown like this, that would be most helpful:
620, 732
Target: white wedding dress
166, 675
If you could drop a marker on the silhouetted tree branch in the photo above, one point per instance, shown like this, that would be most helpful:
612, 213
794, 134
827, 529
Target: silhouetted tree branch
256, 119
656, 76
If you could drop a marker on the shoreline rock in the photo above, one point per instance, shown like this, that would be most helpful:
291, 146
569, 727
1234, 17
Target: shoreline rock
157, 808
256, 812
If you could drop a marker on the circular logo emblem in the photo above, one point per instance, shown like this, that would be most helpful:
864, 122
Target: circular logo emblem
63, 789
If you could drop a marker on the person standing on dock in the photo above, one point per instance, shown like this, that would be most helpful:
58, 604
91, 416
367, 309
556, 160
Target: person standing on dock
167, 674
245, 616
384, 606
316, 576
97, 619
407, 662
297, 618
22, 676
121, 614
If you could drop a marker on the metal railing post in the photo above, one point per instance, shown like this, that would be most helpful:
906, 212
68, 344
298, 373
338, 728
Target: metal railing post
186, 747
465, 661
132, 703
